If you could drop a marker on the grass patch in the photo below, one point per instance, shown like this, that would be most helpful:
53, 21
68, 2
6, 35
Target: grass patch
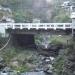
60, 39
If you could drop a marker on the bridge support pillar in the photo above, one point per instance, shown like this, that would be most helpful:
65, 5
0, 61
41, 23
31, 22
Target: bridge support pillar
2, 31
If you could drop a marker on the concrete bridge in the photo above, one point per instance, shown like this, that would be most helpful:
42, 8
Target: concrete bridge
35, 26
23, 33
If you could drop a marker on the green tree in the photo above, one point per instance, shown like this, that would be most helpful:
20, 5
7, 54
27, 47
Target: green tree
20, 16
62, 18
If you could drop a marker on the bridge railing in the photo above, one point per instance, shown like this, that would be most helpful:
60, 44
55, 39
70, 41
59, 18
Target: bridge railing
37, 26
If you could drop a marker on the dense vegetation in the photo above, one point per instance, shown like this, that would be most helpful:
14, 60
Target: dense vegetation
27, 10
19, 59
65, 62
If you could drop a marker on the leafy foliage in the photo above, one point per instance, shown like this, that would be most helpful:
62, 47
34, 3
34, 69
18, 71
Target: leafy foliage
26, 10
8, 54
59, 65
62, 18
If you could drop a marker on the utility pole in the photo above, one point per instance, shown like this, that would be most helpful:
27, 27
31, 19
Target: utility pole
73, 19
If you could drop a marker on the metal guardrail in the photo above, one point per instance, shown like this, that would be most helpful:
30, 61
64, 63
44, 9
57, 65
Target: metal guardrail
37, 26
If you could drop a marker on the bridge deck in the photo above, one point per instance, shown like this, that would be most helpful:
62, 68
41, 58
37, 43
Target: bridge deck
37, 26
